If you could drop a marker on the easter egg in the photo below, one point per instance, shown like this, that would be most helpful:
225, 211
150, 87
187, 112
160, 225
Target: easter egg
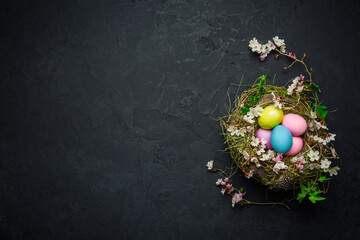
295, 123
296, 147
281, 139
265, 134
270, 117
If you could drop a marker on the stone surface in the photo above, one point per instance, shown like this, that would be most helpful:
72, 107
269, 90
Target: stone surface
106, 128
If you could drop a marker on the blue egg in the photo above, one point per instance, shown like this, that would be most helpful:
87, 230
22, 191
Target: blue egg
281, 139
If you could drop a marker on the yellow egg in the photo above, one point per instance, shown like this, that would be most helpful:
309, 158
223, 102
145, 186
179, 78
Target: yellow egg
270, 117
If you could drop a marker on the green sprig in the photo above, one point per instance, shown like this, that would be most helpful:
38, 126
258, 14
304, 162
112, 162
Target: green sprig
312, 190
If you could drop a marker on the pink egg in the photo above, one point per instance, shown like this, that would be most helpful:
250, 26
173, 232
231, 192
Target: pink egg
265, 134
296, 146
295, 123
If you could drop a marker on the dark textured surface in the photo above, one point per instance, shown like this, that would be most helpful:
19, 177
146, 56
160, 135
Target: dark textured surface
105, 128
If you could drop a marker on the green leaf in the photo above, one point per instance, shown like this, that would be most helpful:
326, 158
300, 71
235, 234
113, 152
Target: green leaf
321, 110
303, 189
323, 178
252, 100
313, 199
315, 193
301, 197
260, 85
312, 87
245, 109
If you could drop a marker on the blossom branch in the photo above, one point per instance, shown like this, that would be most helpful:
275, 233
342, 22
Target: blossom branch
237, 194
295, 61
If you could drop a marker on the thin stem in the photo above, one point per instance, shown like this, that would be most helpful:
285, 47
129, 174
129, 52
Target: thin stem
223, 172
269, 203
316, 178
297, 60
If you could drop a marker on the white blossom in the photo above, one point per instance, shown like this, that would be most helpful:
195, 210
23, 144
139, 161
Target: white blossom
250, 174
282, 48
219, 181
263, 142
295, 81
334, 171
265, 157
277, 101
237, 197
246, 155
290, 89
255, 112
278, 42
248, 128
268, 156
296, 86
314, 165
320, 140
232, 130
299, 89
249, 119
270, 45
316, 125
299, 163
311, 125
313, 155
240, 132
325, 164
298, 159
255, 142
252, 42
331, 137
279, 166
255, 46
255, 160
333, 153
313, 115
271, 153
210, 165
264, 50
278, 104
260, 150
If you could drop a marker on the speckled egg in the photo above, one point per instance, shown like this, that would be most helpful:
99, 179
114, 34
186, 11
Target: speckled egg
265, 134
281, 139
270, 117
296, 147
295, 123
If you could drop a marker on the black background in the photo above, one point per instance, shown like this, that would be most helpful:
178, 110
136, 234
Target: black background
105, 116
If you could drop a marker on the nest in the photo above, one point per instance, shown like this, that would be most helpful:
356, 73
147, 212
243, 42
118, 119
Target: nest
262, 95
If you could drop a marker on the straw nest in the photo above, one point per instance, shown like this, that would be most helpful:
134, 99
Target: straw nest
301, 104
